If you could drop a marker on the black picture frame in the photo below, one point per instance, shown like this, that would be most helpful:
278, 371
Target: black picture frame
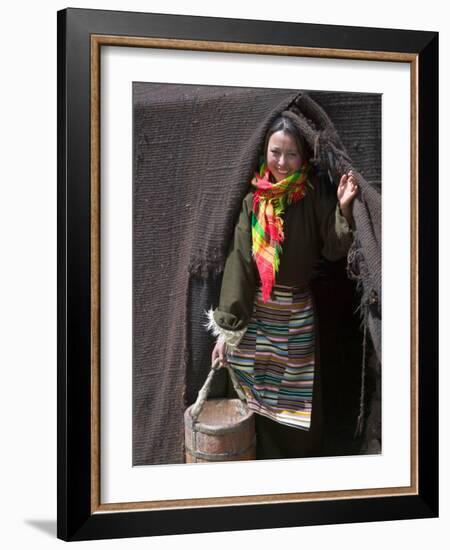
79, 516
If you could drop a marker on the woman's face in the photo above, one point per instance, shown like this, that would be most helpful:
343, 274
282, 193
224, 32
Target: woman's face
282, 157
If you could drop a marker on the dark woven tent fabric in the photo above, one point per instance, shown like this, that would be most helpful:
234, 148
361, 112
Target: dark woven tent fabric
195, 150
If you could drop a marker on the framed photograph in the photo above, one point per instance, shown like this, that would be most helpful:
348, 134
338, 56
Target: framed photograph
262, 197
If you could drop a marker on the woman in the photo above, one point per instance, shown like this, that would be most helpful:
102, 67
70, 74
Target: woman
265, 320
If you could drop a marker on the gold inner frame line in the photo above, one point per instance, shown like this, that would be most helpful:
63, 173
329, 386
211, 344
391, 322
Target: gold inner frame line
264, 49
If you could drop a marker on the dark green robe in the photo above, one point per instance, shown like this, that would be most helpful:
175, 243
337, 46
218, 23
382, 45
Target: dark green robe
312, 226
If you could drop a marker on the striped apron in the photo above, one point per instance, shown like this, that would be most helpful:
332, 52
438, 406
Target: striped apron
274, 361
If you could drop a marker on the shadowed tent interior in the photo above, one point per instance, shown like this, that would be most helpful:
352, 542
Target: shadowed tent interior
195, 150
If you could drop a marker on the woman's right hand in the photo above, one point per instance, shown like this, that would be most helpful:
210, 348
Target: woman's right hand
219, 352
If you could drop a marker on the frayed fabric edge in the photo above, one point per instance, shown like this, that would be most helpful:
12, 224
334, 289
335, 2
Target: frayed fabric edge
232, 338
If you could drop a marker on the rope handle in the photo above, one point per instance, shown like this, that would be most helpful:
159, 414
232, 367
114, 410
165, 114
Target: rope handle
204, 391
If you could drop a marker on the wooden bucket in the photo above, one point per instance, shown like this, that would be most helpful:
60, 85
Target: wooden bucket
218, 430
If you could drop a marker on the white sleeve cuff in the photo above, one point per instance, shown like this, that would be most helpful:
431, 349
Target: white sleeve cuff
232, 338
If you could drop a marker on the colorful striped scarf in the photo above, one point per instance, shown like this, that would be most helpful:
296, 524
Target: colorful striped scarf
269, 203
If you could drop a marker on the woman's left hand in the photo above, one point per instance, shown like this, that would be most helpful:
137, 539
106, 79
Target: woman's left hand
346, 191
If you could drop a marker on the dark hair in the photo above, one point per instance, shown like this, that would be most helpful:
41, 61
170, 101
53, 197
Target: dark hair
284, 124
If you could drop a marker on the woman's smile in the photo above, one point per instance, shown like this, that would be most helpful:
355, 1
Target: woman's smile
283, 157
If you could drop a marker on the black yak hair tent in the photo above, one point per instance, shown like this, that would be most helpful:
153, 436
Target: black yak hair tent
195, 150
